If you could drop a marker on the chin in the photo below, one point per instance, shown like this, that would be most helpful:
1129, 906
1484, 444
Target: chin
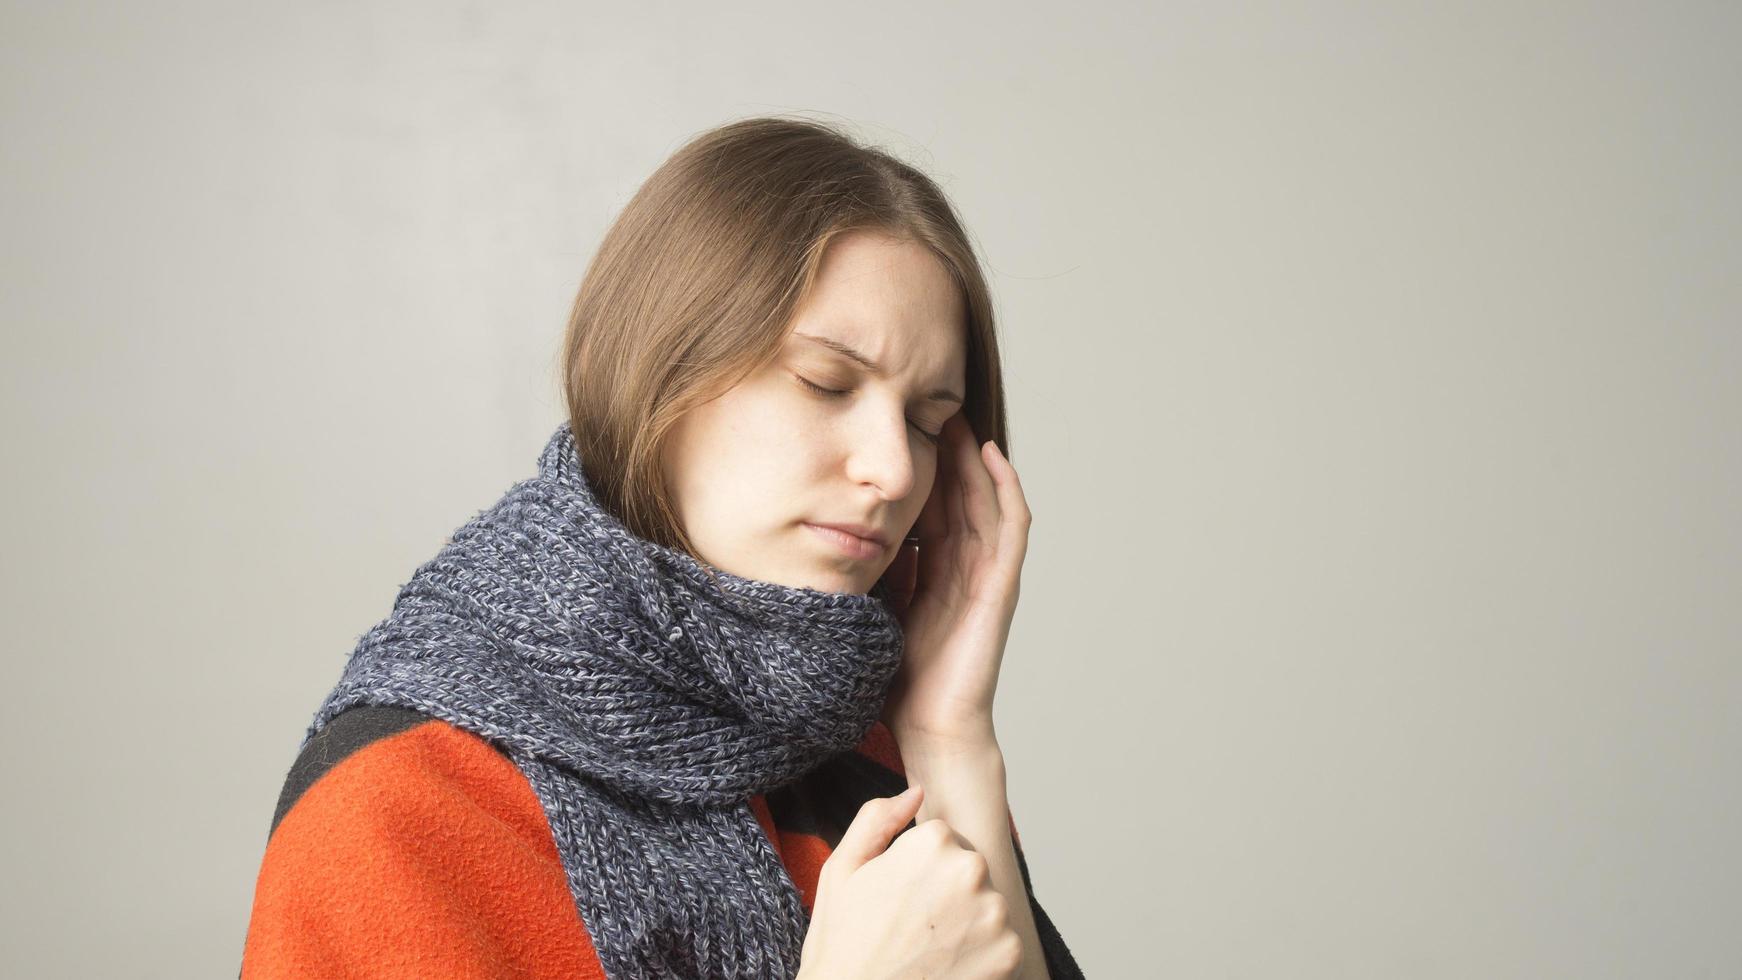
835, 581
813, 572
839, 583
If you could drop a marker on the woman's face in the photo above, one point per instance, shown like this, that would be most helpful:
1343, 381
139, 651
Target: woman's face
753, 470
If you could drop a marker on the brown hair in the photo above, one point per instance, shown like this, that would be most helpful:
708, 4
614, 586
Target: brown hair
695, 284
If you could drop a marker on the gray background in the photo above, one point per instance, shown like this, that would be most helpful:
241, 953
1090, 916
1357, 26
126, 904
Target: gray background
1373, 376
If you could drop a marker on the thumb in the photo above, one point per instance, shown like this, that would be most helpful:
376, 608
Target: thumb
876, 824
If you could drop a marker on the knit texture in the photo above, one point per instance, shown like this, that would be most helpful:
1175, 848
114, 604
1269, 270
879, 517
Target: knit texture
645, 701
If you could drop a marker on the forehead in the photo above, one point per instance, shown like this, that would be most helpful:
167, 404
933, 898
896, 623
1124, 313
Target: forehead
891, 301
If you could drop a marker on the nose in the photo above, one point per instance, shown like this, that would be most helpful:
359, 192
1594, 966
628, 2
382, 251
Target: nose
880, 453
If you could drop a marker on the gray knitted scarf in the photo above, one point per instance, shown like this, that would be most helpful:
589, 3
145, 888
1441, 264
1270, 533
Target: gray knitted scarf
646, 701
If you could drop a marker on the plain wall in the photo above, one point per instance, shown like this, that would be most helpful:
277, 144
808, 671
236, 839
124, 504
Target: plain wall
1375, 378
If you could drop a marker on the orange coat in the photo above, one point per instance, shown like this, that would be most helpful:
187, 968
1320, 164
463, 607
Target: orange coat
404, 846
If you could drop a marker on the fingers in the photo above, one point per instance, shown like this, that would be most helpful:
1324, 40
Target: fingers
977, 506
990, 497
976, 497
1012, 503
876, 824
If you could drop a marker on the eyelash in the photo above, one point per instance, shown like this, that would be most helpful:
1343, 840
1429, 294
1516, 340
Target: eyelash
834, 393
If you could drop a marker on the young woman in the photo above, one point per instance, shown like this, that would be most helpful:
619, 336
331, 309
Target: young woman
668, 707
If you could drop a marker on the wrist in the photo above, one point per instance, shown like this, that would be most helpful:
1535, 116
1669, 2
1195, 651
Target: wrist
974, 738
929, 760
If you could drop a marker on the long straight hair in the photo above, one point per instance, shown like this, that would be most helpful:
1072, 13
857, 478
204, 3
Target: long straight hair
695, 284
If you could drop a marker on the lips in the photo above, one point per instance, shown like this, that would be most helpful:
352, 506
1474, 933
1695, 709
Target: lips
847, 542
870, 534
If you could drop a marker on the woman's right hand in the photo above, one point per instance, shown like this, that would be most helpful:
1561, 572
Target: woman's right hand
922, 906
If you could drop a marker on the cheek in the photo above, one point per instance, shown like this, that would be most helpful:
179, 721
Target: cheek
708, 461
926, 473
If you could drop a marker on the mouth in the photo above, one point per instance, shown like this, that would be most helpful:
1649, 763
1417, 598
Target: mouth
846, 542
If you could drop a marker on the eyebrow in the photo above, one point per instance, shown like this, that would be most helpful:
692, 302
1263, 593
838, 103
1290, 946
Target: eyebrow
936, 394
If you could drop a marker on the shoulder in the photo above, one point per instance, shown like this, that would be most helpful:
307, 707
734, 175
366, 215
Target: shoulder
379, 768
344, 736
404, 845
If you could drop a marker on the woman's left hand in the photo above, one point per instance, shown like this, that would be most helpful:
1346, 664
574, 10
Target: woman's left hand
956, 597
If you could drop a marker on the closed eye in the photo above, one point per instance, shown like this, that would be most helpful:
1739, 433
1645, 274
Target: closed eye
931, 437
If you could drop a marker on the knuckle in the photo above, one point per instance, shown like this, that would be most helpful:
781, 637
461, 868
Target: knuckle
996, 910
971, 871
936, 830
975, 867
1008, 950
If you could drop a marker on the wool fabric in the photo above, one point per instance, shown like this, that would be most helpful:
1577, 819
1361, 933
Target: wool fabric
646, 697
